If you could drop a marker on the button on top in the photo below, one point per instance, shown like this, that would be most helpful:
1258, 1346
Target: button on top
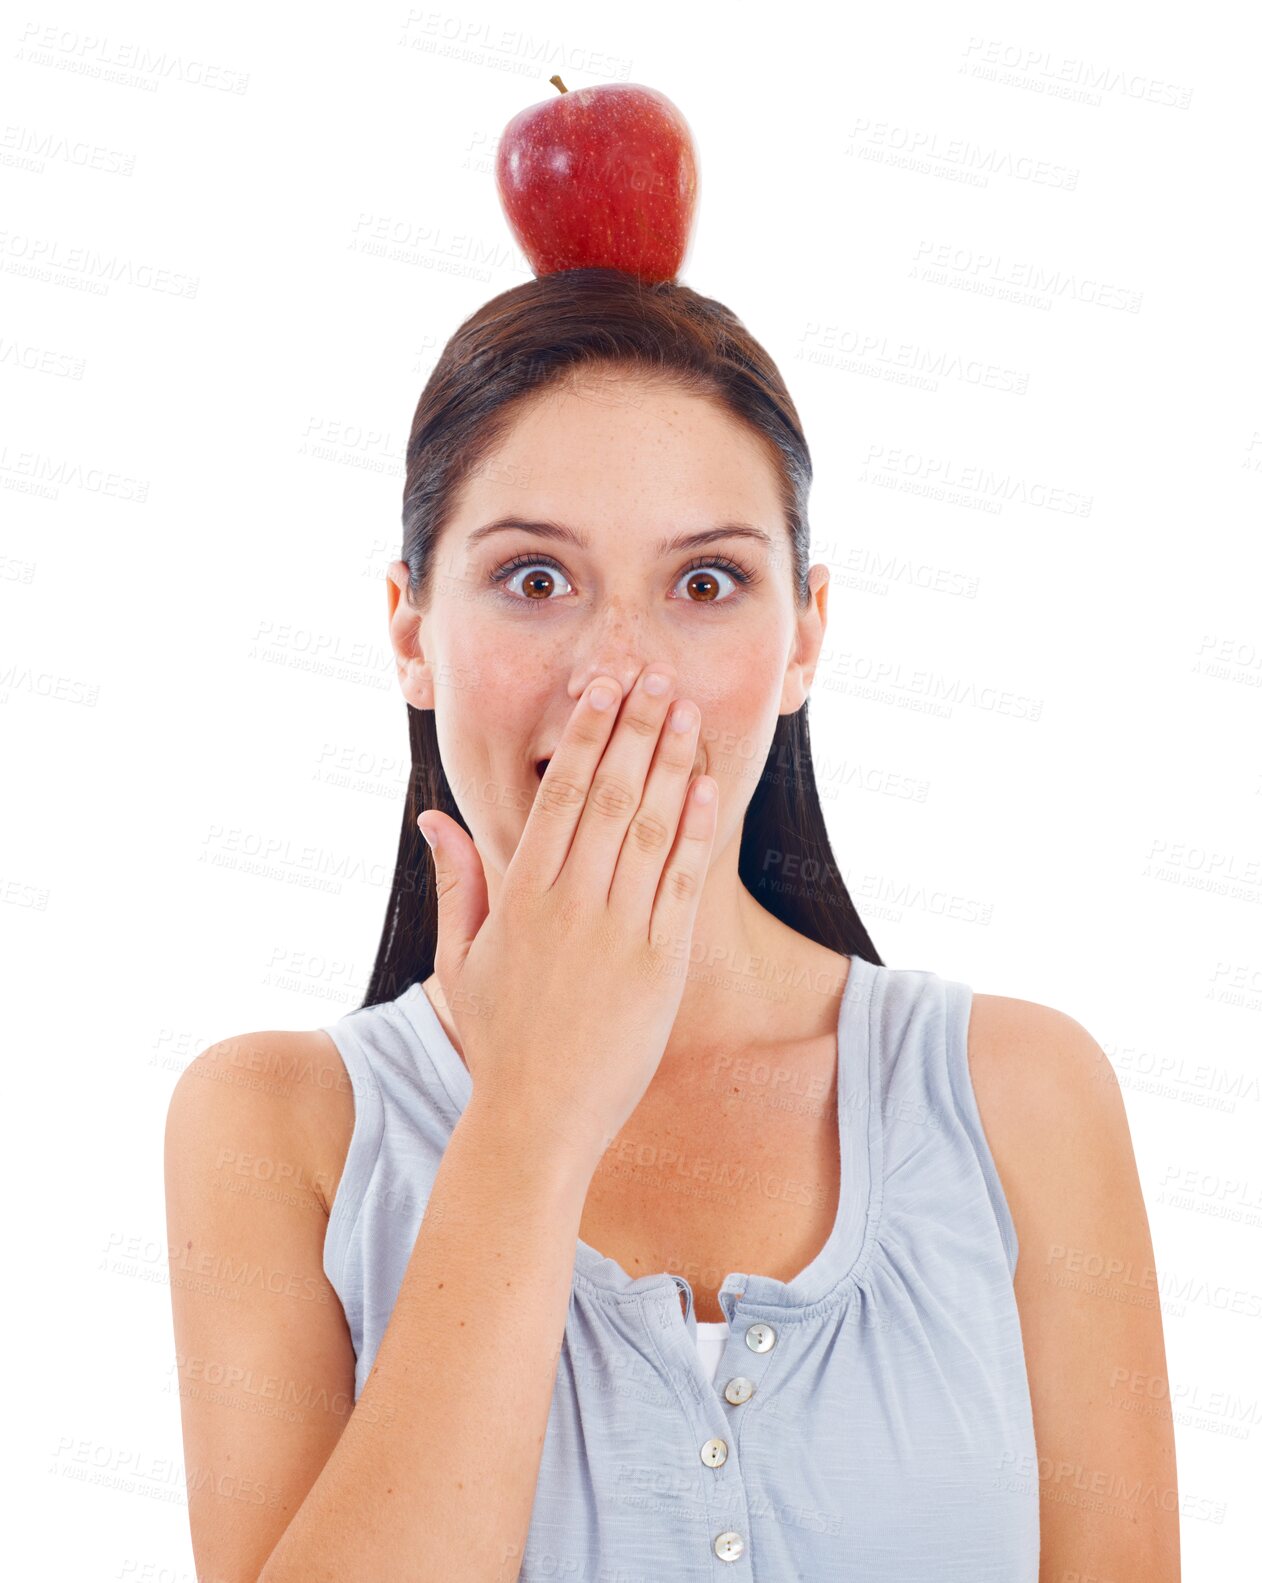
760, 1338
729, 1546
739, 1389
714, 1453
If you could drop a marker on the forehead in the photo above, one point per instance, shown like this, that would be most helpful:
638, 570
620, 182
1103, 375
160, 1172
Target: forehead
611, 451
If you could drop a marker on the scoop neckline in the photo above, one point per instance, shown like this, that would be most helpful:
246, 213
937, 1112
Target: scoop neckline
858, 1138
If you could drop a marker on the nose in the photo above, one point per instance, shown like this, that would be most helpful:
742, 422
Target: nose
624, 668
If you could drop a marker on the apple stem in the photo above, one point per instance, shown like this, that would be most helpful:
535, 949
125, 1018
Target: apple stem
557, 83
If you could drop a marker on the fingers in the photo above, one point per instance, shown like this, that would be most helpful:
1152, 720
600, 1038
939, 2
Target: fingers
460, 889
617, 818
554, 815
679, 893
616, 798
651, 832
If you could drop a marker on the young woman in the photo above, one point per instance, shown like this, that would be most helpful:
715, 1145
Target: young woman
642, 1223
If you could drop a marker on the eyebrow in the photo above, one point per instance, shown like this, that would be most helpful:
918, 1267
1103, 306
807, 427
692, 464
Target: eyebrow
666, 546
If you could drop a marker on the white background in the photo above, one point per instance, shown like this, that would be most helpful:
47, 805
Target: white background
209, 370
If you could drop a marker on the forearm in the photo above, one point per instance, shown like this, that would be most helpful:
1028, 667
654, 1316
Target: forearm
434, 1475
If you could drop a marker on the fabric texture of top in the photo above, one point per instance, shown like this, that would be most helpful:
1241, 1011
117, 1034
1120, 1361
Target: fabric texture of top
869, 1419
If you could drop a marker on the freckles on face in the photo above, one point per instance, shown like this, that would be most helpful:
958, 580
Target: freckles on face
518, 692
633, 481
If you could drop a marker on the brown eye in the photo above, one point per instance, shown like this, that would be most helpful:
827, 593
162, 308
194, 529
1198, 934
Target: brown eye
538, 580
705, 584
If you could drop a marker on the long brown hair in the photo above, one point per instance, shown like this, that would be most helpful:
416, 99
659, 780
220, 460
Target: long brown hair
532, 336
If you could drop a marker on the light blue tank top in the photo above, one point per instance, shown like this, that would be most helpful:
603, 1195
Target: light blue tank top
869, 1420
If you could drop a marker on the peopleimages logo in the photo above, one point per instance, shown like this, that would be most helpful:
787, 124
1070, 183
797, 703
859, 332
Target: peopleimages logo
1047, 72
129, 64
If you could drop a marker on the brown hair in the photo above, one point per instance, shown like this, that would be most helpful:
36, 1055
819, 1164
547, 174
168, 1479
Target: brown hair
533, 336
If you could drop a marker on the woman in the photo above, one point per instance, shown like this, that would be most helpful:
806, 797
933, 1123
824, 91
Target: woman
629, 1065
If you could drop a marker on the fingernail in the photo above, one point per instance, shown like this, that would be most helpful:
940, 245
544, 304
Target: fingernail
431, 841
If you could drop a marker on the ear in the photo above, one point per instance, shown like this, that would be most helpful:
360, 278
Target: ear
416, 676
811, 625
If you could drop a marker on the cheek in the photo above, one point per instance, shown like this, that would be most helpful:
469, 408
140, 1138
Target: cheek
738, 724
493, 704
496, 689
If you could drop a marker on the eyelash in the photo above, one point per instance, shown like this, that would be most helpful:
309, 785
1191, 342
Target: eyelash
742, 575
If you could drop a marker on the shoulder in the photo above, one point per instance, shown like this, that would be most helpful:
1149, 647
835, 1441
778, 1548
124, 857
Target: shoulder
1024, 1054
1048, 1098
276, 1101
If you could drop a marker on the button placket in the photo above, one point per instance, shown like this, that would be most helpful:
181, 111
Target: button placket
726, 1494
759, 1338
756, 1339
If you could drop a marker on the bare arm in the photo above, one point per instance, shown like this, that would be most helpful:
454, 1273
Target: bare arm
433, 1472
265, 1364
1087, 1293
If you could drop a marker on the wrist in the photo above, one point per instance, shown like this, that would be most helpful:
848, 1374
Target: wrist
533, 1143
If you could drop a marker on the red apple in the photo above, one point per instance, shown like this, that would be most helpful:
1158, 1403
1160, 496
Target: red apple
604, 177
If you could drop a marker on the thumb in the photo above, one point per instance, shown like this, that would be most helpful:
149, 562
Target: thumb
460, 885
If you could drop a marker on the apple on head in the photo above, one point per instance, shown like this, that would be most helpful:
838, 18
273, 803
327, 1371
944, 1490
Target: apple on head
605, 177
